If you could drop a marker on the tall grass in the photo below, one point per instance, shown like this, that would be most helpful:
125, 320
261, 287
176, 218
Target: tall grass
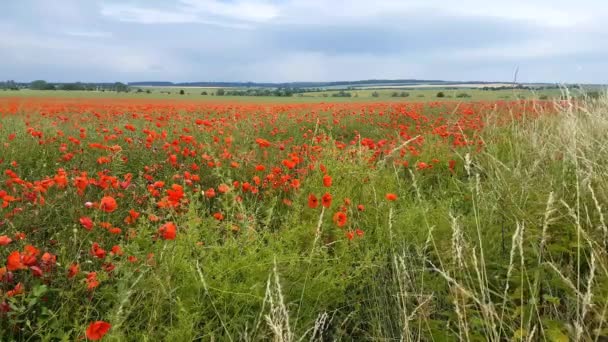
526, 261
513, 246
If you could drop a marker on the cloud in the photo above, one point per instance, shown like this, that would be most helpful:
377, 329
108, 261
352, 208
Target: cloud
235, 14
291, 40
88, 34
141, 15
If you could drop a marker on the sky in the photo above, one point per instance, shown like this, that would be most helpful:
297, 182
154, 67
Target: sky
303, 40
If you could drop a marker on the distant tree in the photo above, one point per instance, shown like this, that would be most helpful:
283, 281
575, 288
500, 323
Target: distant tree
404, 94
341, 93
139, 90
148, 91
120, 87
204, 93
7, 85
463, 95
41, 85
181, 92
440, 94
375, 94
73, 86
220, 92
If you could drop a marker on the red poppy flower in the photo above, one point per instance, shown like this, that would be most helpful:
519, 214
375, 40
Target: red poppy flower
340, 219
452, 165
97, 330
86, 222
313, 202
14, 262
73, 270
17, 290
326, 200
391, 197
97, 251
108, 204
168, 231
5, 240
327, 181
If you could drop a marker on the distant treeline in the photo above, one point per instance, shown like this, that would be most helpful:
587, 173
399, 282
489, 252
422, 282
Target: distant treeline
281, 92
301, 84
10, 85
44, 85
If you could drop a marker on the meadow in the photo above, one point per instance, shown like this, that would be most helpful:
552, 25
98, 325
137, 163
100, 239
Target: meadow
146, 218
357, 95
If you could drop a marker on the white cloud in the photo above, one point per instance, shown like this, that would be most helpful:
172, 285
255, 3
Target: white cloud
88, 34
582, 15
243, 10
129, 13
237, 14
64, 53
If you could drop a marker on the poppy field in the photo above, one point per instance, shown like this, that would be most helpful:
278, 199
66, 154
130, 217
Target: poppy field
148, 220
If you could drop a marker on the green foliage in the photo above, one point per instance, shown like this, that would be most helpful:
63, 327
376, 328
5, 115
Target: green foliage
41, 85
341, 93
400, 94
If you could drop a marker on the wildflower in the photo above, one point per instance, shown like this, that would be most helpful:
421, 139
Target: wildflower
108, 204
168, 231
223, 188
210, 193
17, 290
5, 240
313, 202
326, 200
73, 270
97, 251
86, 222
91, 280
391, 197
340, 219
97, 330
452, 165
14, 262
327, 180
116, 250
